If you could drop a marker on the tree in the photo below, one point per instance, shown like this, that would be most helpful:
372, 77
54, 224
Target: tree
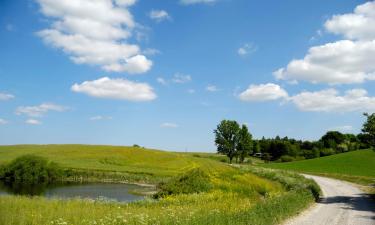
227, 138
369, 129
244, 147
332, 139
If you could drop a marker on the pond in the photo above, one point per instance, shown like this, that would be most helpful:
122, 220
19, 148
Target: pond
101, 191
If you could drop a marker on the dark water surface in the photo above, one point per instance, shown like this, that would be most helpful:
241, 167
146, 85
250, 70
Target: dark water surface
102, 191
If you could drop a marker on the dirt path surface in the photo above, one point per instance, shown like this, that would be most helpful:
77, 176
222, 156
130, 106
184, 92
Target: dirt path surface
341, 204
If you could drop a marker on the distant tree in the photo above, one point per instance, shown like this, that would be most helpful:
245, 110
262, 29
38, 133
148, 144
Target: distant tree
369, 129
244, 146
227, 138
332, 139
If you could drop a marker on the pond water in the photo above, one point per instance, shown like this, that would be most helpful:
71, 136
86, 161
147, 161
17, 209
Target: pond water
102, 191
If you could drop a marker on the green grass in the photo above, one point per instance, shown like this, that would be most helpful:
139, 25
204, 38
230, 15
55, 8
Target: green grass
357, 166
244, 195
112, 161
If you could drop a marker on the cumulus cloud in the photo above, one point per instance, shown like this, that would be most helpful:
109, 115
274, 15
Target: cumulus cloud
341, 62
159, 15
39, 110
5, 96
121, 89
246, 49
169, 125
329, 100
192, 2
33, 122
181, 78
95, 33
2, 121
96, 118
344, 61
263, 92
358, 25
211, 88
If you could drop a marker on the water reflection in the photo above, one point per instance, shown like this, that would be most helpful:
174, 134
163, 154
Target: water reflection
117, 192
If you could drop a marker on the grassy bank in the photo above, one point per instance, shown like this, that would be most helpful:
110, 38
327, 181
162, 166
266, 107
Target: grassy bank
244, 195
357, 166
237, 197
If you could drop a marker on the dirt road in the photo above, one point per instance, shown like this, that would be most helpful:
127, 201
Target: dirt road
341, 204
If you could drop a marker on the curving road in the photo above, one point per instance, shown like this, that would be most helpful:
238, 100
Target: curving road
342, 204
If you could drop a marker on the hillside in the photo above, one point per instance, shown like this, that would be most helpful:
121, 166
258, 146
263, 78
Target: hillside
357, 166
133, 160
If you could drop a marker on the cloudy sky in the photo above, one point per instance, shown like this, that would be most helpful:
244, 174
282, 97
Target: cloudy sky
163, 73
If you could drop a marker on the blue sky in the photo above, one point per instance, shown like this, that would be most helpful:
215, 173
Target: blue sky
162, 74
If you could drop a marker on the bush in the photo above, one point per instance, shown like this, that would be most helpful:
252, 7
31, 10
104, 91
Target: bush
286, 158
31, 169
193, 181
327, 152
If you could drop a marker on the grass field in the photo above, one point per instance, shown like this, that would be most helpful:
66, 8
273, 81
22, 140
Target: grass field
357, 166
238, 195
133, 161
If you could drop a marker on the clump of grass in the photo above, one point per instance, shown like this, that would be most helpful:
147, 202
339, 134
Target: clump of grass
193, 181
31, 169
290, 180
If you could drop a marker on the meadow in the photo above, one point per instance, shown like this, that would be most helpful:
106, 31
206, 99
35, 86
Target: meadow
237, 195
356, 166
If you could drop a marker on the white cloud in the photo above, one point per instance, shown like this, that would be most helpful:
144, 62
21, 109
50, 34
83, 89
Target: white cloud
181, 78
358, 25
33, 122
3, 122
329, 100
5, 96
10, 27
211, 88
95, 118
345, 128
116, 89
162, 81
151, 51
39, 110
263, 92
169, 125
246, 49
192, 2
340, 62
159, 15
95, 33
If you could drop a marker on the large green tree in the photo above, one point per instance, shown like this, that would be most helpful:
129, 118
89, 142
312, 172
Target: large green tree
227, 138
245, 145
369, 128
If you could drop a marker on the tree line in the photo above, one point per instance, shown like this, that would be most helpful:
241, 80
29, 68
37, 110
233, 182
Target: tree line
235, 141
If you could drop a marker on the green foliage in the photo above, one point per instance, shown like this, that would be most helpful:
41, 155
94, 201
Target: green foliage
227, 138
369, 129
193, 181
286, 158
30, 168
327, 152
233, 140
245, 144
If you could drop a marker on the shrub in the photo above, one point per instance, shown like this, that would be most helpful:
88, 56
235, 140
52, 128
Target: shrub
30, 168
193, 181
286, 158
327, 152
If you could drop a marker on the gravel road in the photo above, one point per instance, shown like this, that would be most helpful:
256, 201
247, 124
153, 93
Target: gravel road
341, 204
